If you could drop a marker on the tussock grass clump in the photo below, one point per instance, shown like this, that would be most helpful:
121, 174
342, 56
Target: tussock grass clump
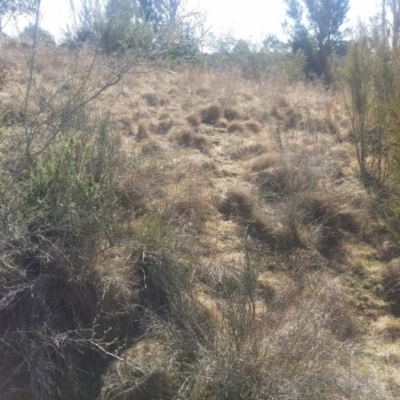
235, 127
292, 119
211, 114
142, 374
151, 99
231, 114
390, 278
151, 147
142, 132
388, 251
389, 326
188, 138
163, 127
193, 120
247, 151
277, 358
236, 204
264, 162
274, 182
45, 313
239, 206
253, 126
222, 123
203, 92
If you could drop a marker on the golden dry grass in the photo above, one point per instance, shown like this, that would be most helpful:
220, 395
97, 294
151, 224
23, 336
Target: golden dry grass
213, 167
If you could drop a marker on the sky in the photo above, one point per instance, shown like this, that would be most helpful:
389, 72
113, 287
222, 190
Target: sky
253, 19
245, 19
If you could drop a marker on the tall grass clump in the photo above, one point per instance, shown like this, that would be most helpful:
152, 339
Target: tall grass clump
281, 349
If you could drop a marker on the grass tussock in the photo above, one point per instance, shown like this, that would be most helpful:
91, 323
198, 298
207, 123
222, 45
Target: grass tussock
253, 126
265, 161
142, 132
141, 374
193, 120
231, 114
235, 127
248, 151
390, 278
162, 127
211, 114
188, 138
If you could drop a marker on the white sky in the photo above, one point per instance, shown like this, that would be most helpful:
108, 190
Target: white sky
256, 18
247, 19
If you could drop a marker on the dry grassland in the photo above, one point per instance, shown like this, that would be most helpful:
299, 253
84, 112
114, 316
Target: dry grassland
250, 261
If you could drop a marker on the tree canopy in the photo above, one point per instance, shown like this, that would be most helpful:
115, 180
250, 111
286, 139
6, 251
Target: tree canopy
315, 27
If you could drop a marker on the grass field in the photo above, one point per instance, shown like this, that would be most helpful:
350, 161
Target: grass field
187, 234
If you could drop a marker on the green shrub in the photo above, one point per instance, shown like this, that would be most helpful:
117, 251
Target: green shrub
68, 196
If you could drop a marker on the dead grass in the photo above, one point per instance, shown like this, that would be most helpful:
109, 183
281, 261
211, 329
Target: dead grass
193, 120
142, 132
235, 127
253, 126
231, 114
265, 161
390, 278
237, 265
188, 138
211, 114
141, 374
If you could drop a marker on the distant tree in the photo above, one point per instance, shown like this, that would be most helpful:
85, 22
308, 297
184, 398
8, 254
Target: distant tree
42, 34
241, 47
316, 29
160, 13
272, 43
88, 21
119, 17
391, 27
14, 8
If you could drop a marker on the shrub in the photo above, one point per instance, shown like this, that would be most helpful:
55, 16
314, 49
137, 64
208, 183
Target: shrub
65, 214
42, 34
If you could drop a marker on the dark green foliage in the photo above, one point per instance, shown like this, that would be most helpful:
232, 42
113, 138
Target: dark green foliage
42, 34
160, 12
68, 196
118, 18
63, 217
272, 59
316, 29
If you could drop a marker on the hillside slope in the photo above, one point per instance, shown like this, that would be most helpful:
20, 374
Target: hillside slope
188, 235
